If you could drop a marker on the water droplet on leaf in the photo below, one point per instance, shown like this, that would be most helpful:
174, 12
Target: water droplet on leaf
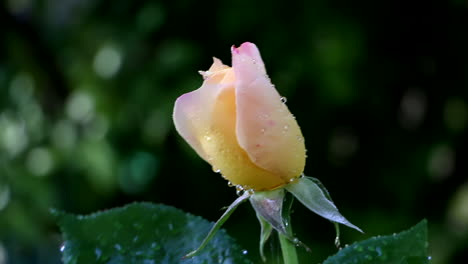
98, 253
118, 247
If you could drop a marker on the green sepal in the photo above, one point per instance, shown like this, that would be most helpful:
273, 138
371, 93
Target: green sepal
265, 233
219, 223
327, 194
311, 195
273, 212
269, 205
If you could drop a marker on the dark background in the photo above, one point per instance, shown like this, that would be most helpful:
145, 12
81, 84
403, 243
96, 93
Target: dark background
379, 89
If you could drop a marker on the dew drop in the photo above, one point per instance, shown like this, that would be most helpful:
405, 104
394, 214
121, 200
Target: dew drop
239, 190
245, 252
230, 184
98, 253
207, 138
337, 241
62, 247
285, 128
429, 258
283, 100
204, 74
118, 247
262, 130
379, 251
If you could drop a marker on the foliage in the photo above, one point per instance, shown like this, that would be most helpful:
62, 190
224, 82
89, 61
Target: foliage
153, 233
406, 247
143, 233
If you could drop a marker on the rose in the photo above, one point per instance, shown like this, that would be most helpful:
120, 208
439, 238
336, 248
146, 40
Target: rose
237, 122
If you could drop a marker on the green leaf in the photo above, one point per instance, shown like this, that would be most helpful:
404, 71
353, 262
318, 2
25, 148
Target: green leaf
143, 233
407, 247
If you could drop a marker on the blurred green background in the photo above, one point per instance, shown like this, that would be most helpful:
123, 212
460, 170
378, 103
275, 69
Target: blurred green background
378, 88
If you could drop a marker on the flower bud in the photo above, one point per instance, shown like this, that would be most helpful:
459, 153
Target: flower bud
238, 123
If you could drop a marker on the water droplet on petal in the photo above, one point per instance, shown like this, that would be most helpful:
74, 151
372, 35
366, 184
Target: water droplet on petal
283, 100
239, 190
262, 130
230, 184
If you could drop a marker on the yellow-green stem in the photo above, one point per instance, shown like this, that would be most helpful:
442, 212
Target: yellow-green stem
289, 250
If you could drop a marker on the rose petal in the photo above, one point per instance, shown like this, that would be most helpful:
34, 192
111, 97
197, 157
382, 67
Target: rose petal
192, 111
206, 119
227, 156
266, 130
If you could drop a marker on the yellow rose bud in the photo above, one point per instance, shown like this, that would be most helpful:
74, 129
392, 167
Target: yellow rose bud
237, 122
